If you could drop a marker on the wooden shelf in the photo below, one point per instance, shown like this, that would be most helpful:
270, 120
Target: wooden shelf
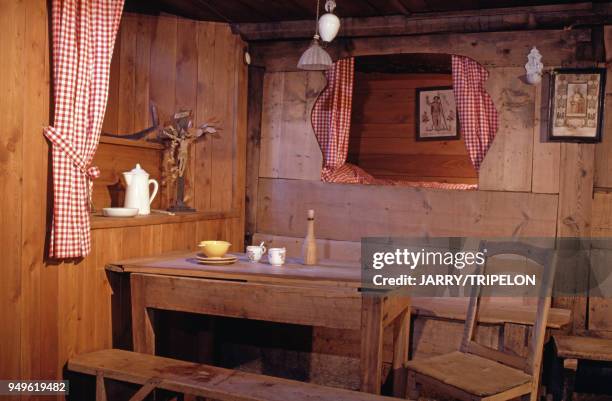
100, 222
130, 142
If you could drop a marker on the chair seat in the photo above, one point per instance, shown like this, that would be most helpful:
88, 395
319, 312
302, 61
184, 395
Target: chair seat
470, 373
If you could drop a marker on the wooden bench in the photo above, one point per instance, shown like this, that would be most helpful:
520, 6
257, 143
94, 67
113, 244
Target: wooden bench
192, 379
569, 350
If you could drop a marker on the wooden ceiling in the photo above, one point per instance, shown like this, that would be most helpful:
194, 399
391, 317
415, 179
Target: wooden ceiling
240, 11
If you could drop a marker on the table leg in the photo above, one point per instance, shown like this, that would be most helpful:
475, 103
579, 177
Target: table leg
371, 343
401, 341
143, 334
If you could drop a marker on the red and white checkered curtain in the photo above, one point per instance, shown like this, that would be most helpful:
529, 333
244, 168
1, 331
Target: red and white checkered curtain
331, 117
477, 114
84, 34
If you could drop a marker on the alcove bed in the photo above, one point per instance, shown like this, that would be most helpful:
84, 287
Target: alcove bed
412, 120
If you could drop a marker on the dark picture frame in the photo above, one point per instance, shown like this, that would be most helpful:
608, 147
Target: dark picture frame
436, 117
576, 105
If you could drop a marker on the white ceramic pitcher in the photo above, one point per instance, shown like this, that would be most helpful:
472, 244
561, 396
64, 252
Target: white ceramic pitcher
137, 191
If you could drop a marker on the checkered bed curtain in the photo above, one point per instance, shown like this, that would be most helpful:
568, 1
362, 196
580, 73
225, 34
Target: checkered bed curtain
84, 34
331, 118
477, 114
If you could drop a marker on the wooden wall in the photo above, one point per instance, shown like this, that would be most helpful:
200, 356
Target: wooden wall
53, 310
383, 140
549, 185
178, 64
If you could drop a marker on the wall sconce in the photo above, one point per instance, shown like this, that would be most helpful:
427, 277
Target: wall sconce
534, 67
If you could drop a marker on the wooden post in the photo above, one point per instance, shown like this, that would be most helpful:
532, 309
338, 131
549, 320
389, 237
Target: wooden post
255, 95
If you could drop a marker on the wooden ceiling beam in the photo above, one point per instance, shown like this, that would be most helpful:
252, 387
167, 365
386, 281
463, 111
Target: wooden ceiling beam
491, 20
501, 49
401, 8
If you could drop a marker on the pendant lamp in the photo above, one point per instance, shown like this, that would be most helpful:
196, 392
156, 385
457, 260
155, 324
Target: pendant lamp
315, 58
329, 23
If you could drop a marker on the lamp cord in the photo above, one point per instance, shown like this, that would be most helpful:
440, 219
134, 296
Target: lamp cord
317, 20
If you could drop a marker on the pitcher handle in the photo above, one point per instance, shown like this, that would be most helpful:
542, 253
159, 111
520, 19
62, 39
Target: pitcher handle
263, 249
156, 187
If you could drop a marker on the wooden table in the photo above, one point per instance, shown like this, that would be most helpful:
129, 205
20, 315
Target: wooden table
326, 295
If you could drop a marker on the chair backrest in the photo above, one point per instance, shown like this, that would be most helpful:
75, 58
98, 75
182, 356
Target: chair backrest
543, 257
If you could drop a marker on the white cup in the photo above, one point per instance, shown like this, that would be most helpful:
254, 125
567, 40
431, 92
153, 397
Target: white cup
276, 256
255, 252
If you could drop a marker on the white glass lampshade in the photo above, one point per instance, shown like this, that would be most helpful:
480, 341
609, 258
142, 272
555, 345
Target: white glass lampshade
315, 58
329, 25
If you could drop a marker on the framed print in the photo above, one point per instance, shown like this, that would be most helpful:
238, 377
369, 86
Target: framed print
576, 105
436, 114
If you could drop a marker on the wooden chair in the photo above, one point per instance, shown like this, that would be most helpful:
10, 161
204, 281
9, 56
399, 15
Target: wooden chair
570, 351
476, 372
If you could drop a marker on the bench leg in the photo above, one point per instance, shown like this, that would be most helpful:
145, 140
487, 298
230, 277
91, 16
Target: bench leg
401, 328
100, 387
569, 375
144, 391
413, 388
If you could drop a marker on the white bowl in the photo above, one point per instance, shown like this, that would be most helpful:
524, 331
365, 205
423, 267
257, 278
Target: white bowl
119, 212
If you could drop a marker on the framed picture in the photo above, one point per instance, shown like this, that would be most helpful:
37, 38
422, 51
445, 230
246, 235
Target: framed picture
576, 104
436, 114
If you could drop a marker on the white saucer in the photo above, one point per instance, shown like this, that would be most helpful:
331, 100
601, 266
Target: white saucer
220, 260
119, 212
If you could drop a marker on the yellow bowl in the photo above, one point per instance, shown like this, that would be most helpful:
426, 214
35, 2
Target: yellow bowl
214, 249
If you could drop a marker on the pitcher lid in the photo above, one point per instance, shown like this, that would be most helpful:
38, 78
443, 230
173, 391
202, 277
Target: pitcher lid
138, 170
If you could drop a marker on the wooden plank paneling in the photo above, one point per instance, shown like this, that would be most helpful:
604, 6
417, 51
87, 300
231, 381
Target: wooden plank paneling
12, 85
289, 148
348, 212
239, 154
160, 59
111, 115
34, 198
403, 143
163, 67
383, 131
574, 219
221, 179
144, 34
162, 89
418, 165
255, 96
271, 124
600, 300
205, 100
186, 89
603, 162
59, 309
546, 155
127, 75
508, 164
